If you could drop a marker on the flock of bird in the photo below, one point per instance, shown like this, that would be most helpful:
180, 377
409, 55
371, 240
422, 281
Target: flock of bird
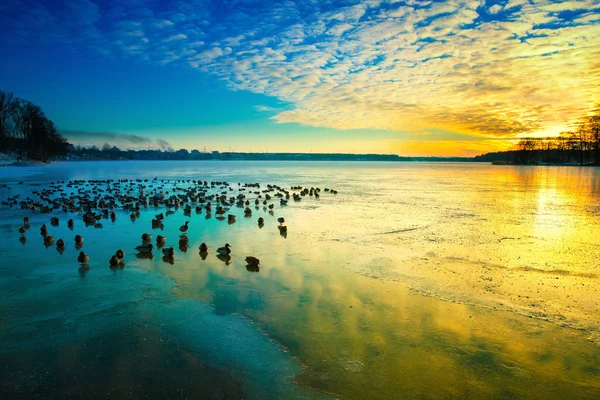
96, 200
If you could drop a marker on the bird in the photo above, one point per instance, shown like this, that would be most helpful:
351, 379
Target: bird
225, 250
250, 260
160, 240
22, 230
114, 261
83, 258
120, 254
283, 230
70, 224
203, 248
60, 243
44, 230
281, 220
183, 228
169, 252
144, 248
146, 237
261, 221
54, 221
78, 239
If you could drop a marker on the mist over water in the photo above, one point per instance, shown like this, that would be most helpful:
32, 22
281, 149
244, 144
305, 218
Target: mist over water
416, 280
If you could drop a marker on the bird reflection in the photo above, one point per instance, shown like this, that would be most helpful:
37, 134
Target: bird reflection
145, 256
252, 268
169, 259
83, 270
225, 258
203, 255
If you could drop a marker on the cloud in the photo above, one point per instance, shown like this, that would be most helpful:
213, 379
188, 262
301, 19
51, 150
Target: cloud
164, 145
496, 71
123, 140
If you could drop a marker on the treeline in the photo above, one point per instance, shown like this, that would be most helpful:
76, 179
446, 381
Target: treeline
26, 131
581, 146
108, 152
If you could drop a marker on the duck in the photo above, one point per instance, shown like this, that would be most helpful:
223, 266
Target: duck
44, 230
261, 221
168, 252
48, 240
54, 221
231, 218
281, 220
253, 261
60, 243
25, 220
144, 248
183, 228
114, 261
282, 230
203, 248
22, 230
146, 237
70, 224
83, 258
120, 254
225, 250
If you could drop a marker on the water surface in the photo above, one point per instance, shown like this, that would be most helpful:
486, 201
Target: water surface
416, 280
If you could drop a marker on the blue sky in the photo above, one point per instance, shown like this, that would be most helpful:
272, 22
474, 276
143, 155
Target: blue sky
407, 77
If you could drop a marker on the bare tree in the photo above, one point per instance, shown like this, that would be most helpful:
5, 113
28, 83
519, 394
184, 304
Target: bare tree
8, 103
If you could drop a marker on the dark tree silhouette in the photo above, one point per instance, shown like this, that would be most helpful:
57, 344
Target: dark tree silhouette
25, 129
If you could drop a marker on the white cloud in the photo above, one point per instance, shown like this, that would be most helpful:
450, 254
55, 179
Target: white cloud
406, 65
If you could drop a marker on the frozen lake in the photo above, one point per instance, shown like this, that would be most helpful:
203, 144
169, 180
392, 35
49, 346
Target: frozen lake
417, 280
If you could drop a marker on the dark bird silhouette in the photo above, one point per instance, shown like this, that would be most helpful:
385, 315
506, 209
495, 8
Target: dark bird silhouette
83, 258
114, 261
225, 250
183, 228
250, 260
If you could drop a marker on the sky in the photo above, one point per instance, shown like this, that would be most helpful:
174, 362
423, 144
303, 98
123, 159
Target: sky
413, 77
